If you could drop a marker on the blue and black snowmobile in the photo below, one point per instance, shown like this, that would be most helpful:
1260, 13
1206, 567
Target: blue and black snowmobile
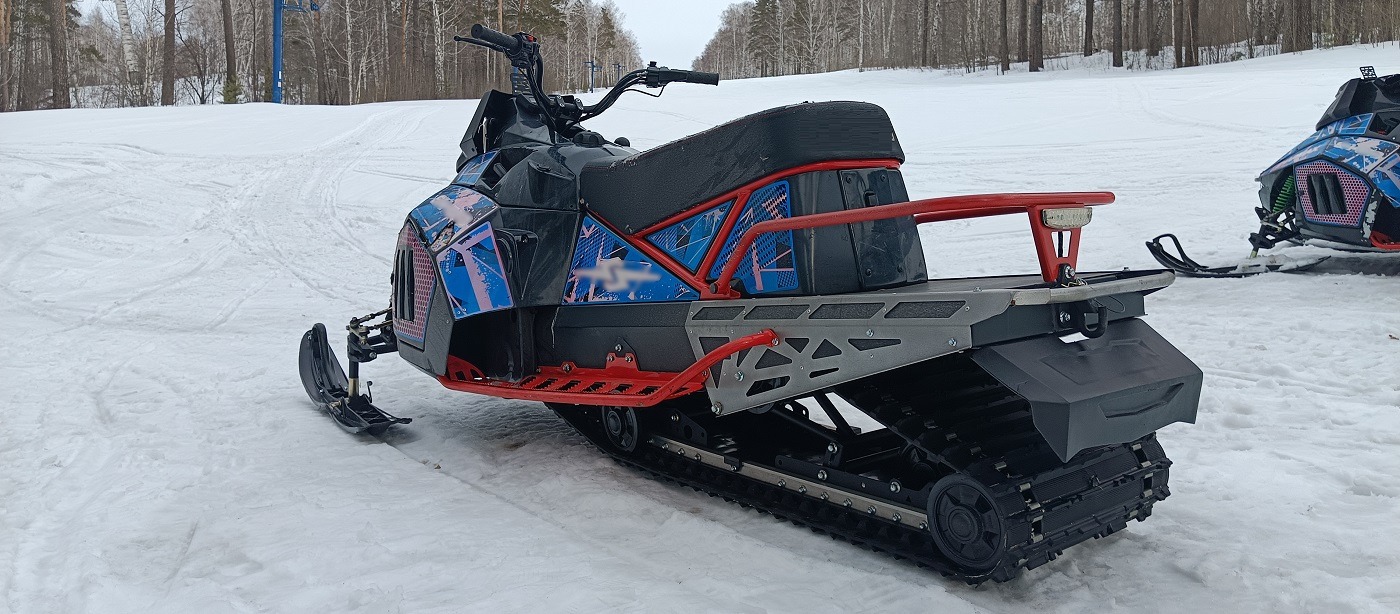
1339, 188
713, 310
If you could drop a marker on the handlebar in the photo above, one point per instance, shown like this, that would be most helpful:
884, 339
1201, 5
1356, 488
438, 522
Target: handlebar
659, 76
704, 78
563, 114
505, 41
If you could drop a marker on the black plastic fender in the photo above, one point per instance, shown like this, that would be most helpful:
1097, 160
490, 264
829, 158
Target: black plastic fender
1111, 389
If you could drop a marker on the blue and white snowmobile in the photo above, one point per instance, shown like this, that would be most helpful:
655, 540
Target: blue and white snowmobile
1339, 188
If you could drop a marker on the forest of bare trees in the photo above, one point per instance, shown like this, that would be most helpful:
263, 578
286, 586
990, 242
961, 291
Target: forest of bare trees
780, 37
350, 51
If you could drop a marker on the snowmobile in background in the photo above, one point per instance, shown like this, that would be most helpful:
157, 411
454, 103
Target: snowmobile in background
1339, 188
712, 310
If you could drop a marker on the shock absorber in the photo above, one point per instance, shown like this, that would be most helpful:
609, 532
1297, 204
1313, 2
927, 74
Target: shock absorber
1286, 195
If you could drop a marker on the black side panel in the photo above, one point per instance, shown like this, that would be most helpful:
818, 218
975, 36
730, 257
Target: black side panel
500, 343
537, 248
888, 252
640, 190
1113, 389
1387, 220
826, 264
437, 337
585, 334
1021, 321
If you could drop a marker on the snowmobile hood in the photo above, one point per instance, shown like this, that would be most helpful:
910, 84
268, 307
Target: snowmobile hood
1359, 96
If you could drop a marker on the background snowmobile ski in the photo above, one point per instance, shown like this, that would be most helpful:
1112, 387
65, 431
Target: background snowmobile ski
1254, 265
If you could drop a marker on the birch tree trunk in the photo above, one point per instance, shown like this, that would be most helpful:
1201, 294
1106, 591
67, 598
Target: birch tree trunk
350, 87
1037, 37
439, 72
58, 51
1154, 42
1023, 33
1088, 28
231, 87
1004, 49
1118, 33
167, 54
1177, 43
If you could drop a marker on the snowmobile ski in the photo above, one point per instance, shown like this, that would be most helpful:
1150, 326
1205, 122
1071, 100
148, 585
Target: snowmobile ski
327, 385
1255, 265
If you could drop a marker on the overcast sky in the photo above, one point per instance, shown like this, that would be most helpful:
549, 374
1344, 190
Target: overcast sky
672, 32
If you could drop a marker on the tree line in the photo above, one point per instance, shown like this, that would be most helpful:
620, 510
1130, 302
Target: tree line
781, 37
349, 51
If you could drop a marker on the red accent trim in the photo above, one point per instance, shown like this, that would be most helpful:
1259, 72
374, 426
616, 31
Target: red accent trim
832, 165
621, 383
662, 258
740, 196
712, 254
1384, 242
935, 210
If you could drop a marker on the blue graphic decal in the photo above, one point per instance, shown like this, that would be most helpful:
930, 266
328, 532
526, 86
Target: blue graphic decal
608, 270
769, 265
471, 173
1350, 126
1354, 125
688, 239
448, 212
1386, 176
473, 275
1360, 153
1312, 151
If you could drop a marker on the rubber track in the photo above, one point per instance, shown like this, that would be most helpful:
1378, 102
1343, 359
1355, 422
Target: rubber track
881, 535
826, 518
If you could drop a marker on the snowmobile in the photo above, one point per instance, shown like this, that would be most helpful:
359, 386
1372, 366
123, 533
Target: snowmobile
719, 311
1339, 188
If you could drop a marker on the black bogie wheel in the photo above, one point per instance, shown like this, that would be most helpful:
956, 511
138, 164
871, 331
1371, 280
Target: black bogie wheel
620, 427
966, 523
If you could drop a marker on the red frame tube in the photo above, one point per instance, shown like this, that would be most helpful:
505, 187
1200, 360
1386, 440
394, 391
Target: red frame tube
608, 386
1384, 242
936, 210
740, 196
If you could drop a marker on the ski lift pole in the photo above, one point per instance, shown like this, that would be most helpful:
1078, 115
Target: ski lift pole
277, 7
593, 68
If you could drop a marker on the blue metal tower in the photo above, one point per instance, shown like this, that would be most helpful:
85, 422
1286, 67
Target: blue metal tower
277, 7
593, 69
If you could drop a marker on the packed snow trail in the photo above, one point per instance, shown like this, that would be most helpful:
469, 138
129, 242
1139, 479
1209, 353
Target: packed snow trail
159, 265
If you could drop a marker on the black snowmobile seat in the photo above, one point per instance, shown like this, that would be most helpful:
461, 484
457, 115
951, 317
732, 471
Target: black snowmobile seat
636, 191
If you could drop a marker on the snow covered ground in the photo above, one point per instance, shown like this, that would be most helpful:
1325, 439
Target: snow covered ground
157, 267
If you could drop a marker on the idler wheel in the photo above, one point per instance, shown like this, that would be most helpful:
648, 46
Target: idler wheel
966, 523
620, 427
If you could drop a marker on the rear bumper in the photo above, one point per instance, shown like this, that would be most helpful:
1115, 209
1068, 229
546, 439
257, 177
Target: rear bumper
1113, 389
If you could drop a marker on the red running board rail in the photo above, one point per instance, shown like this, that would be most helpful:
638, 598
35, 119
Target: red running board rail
1052, 255
620, 383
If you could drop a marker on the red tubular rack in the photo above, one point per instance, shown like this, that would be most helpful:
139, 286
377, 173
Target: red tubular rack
620, 383
1051, 255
